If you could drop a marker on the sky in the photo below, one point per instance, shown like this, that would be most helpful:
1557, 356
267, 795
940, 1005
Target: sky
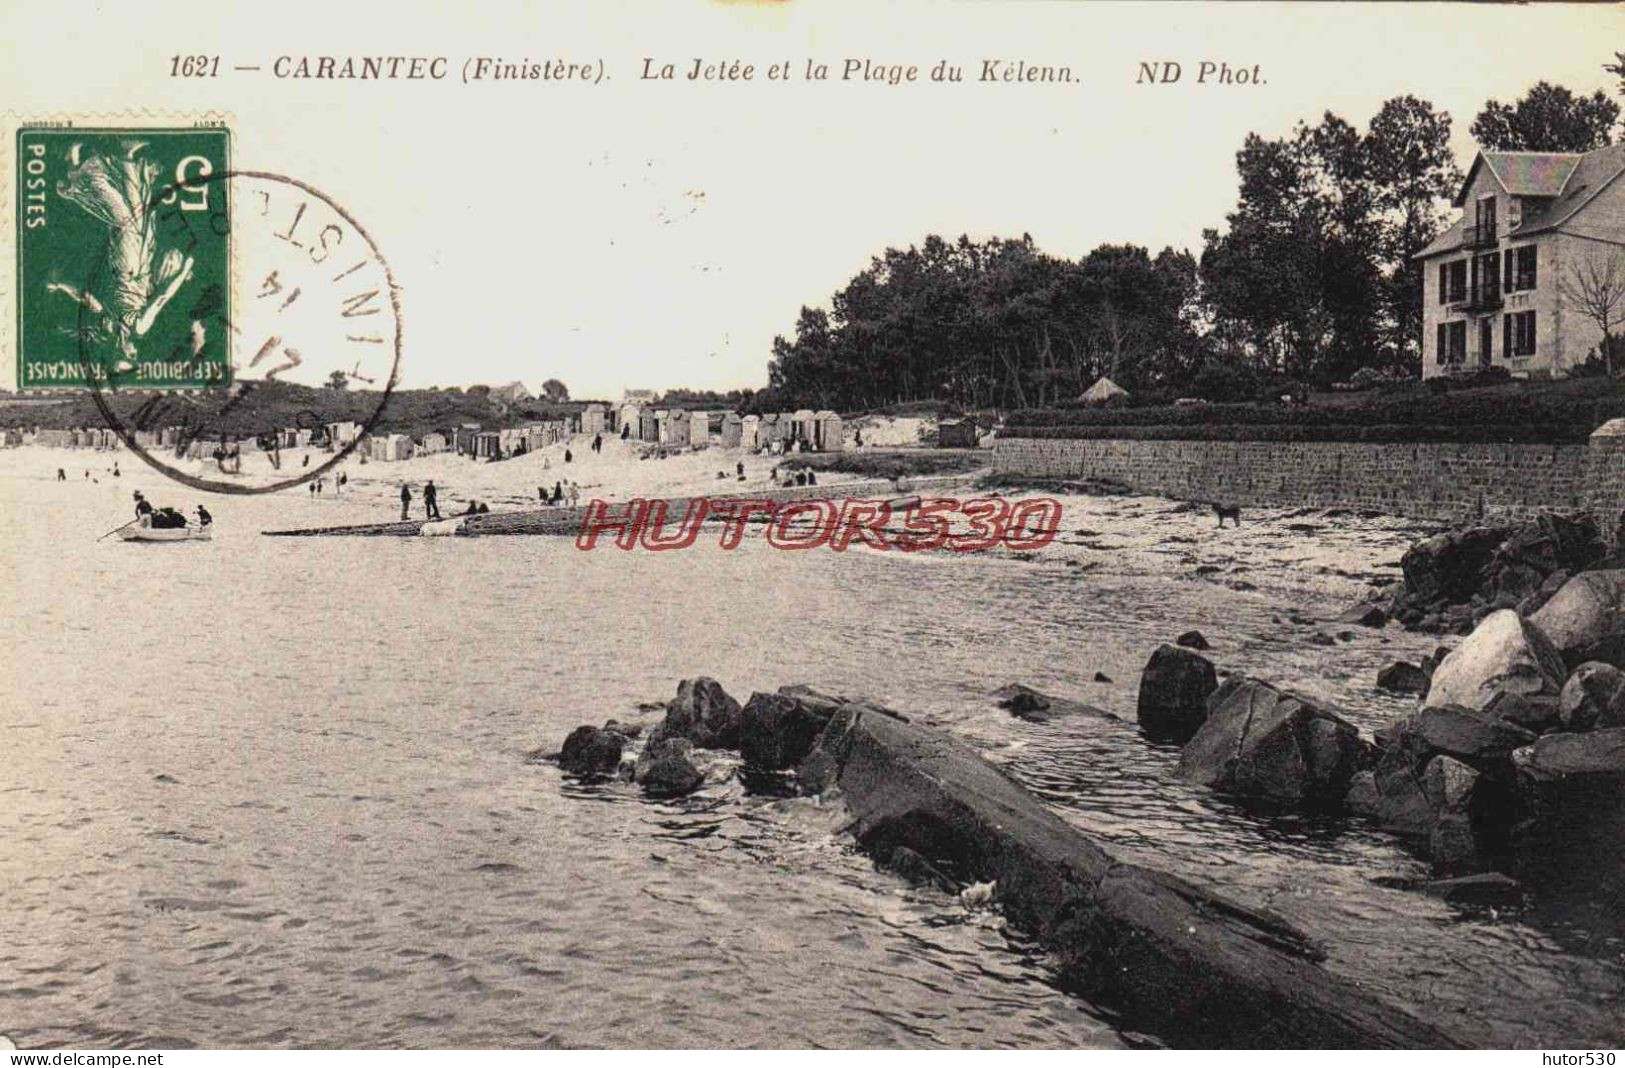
639, 233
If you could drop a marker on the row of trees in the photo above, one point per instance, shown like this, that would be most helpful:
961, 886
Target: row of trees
1310, 279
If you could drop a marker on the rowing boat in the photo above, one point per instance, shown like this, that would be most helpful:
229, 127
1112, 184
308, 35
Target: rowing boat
166, 534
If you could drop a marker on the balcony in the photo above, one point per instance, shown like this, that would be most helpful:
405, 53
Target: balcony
1479, 235
1486, 296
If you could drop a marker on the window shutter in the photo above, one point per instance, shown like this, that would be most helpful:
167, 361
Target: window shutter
1443, 282
1507, 282
1531, 271
1439, 344
1506, 336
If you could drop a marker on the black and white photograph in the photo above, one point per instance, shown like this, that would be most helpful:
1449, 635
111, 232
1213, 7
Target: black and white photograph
778, 524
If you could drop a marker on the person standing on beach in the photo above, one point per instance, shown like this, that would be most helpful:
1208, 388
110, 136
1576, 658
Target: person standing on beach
406, 500
739, 469
431, 508
575, 494
61, 475
567, 456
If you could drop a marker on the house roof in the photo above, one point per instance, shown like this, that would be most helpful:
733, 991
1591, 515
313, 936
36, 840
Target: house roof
1523, 174
1561, 182
1103, 389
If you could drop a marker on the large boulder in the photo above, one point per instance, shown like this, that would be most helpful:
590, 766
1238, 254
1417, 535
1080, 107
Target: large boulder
1450, 567
1467, 735
1504, 653
1174, 689
1571, 788
1261, 742
1585, 620
703, 713
1591, 697
592, 752
1172, 958
777, 730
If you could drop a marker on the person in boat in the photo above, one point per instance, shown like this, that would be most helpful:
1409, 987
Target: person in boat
431, 506
143, 510
167, 518
203, 516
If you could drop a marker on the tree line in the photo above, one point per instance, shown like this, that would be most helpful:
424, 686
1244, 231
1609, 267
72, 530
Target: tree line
1309, 280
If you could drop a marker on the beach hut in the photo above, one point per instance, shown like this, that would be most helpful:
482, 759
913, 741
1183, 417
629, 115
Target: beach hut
432, 442
750, 432
398, 447
956, 434
827, 427
1103, 391
731, 430
487, 445
699, 428
593, 419
674, 427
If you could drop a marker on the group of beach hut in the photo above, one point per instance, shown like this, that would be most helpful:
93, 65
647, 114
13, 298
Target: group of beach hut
637, 419
75, 438
804, 430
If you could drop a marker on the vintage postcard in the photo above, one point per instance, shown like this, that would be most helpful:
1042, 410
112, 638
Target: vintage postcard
744, 524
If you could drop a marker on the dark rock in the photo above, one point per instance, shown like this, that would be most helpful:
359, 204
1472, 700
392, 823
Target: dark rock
1026, 703
592, 752
1585, 620
1401, 677
1320, 637
1533, 713
919, 871
1362, 798
1592, 690
1505, 653
1466, 735
1174, 689
1023, 701
1366, 614
1101, 676
671, 775
1193, 639
777, 730
703, 713
1595, 757
1450, 566
1171, 958
1486, 888
1264, 743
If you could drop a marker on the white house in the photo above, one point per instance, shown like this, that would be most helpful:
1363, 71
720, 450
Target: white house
1492, 284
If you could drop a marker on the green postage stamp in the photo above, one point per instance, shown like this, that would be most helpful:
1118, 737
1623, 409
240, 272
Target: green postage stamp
123, 257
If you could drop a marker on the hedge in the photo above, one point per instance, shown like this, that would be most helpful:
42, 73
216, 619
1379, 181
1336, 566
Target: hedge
1517, 413
1390, 433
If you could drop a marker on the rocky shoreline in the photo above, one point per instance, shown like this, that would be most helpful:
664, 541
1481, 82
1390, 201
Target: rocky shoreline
1515, 756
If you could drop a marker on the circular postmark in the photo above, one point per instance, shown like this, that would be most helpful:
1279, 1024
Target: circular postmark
317, 310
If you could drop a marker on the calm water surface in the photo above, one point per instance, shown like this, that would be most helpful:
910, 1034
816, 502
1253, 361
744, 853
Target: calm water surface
274, 792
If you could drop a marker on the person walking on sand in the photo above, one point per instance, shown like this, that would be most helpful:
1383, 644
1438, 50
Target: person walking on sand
431, 507
115, 470
406, 501
61, 475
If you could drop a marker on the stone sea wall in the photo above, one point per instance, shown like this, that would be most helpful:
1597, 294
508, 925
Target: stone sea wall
1425, 481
